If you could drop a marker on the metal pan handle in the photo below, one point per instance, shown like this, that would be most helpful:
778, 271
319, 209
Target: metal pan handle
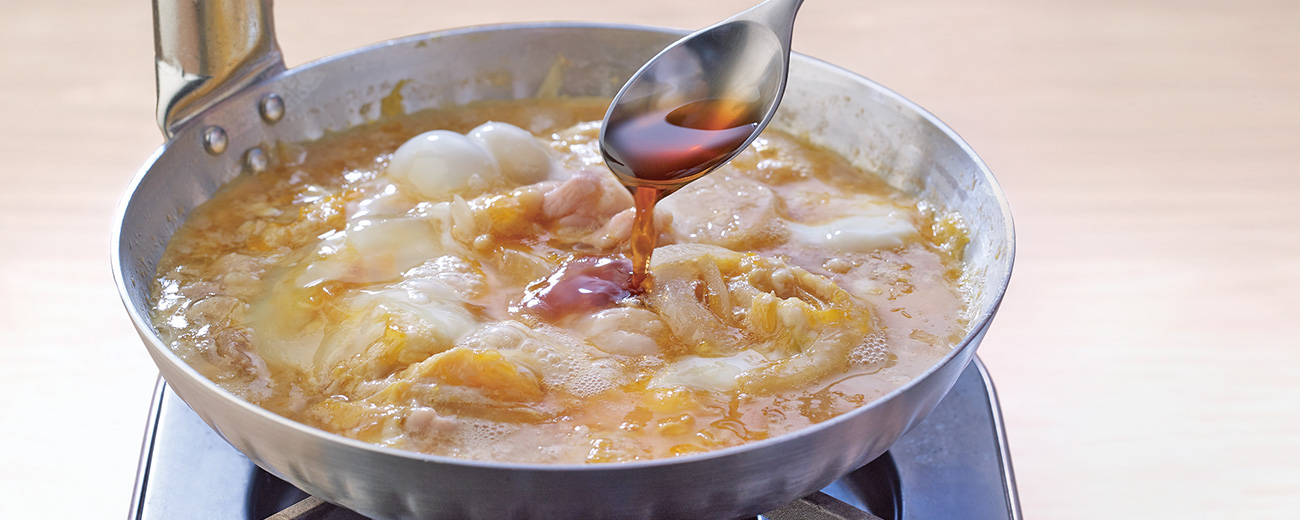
205, 50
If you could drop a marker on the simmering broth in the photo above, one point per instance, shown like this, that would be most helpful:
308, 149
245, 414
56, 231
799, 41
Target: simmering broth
457, 282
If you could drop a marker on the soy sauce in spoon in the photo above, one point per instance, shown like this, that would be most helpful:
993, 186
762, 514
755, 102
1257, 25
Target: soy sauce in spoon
693, 107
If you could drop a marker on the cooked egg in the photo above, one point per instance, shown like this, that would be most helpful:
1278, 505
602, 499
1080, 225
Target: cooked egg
625, 330
717, 374
371, 250
441, 162
858, 233
519, 156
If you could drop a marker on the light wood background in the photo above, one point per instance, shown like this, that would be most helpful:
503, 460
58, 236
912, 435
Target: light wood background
1147, 351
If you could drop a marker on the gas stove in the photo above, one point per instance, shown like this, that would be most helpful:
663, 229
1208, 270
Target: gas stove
955, 464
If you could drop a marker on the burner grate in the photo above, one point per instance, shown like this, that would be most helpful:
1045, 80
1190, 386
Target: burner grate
817, 506
955, 464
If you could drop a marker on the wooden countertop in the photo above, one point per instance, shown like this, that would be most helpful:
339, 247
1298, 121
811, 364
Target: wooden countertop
1146, 351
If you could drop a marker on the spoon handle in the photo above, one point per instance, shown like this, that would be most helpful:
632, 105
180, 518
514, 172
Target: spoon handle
777, 14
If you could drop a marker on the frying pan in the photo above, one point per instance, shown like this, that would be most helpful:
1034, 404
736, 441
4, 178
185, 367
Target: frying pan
226, 99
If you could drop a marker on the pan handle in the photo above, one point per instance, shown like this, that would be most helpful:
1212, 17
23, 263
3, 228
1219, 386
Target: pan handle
206, 50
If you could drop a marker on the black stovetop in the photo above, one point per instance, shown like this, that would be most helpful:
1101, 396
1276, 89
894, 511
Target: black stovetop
955, 464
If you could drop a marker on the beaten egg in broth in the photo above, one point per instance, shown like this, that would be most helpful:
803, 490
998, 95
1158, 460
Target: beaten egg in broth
463, 292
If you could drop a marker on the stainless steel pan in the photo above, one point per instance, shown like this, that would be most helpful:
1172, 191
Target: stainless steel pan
225, 99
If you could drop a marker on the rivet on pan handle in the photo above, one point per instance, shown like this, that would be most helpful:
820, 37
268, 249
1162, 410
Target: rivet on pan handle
207, 50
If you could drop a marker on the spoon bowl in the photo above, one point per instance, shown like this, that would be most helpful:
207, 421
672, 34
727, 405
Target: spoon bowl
701, 100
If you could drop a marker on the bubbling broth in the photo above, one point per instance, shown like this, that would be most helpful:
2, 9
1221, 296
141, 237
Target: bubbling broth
458, 282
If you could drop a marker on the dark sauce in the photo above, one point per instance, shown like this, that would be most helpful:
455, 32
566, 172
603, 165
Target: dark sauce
658, 152
669, 148
581, 285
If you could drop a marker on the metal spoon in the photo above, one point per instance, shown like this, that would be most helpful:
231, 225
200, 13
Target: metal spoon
701, 100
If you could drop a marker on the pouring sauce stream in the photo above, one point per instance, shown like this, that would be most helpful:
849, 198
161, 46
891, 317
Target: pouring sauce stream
656, 153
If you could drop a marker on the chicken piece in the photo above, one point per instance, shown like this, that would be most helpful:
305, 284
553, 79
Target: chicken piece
625, 330
616, 233
584, 202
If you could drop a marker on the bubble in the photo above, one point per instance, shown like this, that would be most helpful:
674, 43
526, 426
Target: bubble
588, 383
478, 433
588, 377
871, 352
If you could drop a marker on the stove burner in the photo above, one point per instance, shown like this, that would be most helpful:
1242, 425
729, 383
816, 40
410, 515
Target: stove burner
955, 464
